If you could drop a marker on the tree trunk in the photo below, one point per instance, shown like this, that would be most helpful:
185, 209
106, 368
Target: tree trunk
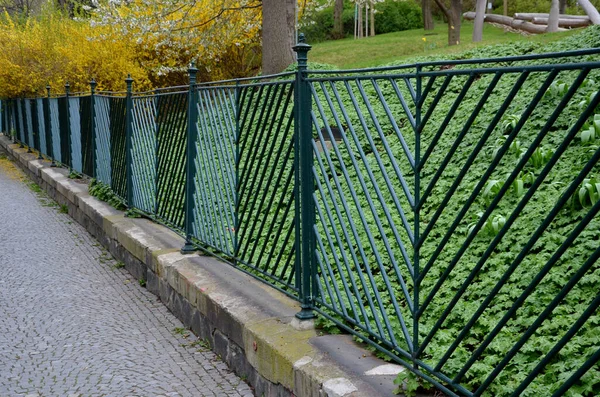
553, 17
367, 20
427, 16
372, 19
278, 31
506, 7
454, 22
562, 6
338, 23
454, 15
479, 17
360, 21
590, 10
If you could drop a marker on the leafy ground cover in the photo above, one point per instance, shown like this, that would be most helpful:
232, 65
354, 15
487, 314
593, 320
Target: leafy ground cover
400, 46
443, 253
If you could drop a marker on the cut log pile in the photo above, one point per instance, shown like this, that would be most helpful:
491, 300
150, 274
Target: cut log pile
538, 22
514, 23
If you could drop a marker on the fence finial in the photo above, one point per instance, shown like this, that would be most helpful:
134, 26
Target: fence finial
129, 82
302, 49
192, 71
93, 85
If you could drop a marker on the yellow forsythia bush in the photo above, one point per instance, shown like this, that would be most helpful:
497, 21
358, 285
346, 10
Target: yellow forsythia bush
53, 49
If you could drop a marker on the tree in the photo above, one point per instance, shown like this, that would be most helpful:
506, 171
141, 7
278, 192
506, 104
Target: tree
562, 6
338, 23
170, 34
427, 15
278, 35
553, 17
479, 17
20, 7
454, 15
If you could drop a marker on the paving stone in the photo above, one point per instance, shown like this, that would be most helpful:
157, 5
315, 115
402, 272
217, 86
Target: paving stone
75, 324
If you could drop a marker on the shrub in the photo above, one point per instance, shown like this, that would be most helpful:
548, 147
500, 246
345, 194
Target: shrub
395, 16
391, 16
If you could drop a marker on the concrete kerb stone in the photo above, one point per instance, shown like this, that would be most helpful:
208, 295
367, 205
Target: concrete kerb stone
249, 324
51, 176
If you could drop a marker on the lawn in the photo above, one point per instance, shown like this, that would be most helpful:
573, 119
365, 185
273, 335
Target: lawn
386, 48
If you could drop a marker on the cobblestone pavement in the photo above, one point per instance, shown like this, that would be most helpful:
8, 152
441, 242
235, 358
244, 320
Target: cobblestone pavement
74, 323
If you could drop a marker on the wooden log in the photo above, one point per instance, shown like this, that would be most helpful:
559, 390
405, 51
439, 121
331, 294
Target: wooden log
590, 10
564, 22
528, 16
513, 23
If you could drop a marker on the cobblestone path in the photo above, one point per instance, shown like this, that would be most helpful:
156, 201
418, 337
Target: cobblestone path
73, 323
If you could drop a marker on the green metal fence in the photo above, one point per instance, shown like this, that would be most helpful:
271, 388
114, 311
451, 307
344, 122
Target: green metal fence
445, 213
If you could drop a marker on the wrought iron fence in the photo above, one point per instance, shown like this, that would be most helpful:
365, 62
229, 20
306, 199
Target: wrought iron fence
443, 212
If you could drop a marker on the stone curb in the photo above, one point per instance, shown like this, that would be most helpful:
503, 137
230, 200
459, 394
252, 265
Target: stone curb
250, 325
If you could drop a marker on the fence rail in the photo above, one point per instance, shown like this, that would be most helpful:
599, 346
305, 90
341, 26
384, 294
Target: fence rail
446, 213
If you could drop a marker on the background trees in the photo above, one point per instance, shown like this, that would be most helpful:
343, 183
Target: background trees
156, 39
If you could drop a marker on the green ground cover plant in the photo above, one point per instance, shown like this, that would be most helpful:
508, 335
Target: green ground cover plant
443, 251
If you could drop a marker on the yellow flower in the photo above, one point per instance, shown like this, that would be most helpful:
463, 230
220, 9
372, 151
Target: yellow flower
424, 39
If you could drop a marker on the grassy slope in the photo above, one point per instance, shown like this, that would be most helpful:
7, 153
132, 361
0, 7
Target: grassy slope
386, 48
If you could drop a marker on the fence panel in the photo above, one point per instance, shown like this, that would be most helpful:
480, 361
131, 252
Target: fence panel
41, 126
117, 125
20, 122
57, 144
75, 134
171, 140
143, 153
364, 199
103, 138
215, 182
29, 123
87, 147
266, 207
65, 131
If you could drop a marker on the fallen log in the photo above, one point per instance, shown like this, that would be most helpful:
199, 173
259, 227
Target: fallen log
563, 22
528, 16
511, 22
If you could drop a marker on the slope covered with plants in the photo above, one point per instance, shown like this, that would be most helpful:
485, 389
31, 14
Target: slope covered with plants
497, 168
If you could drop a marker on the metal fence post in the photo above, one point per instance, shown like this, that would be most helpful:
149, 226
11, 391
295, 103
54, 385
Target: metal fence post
305, 219
93, 125
48, 122
128, 142
188, 248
